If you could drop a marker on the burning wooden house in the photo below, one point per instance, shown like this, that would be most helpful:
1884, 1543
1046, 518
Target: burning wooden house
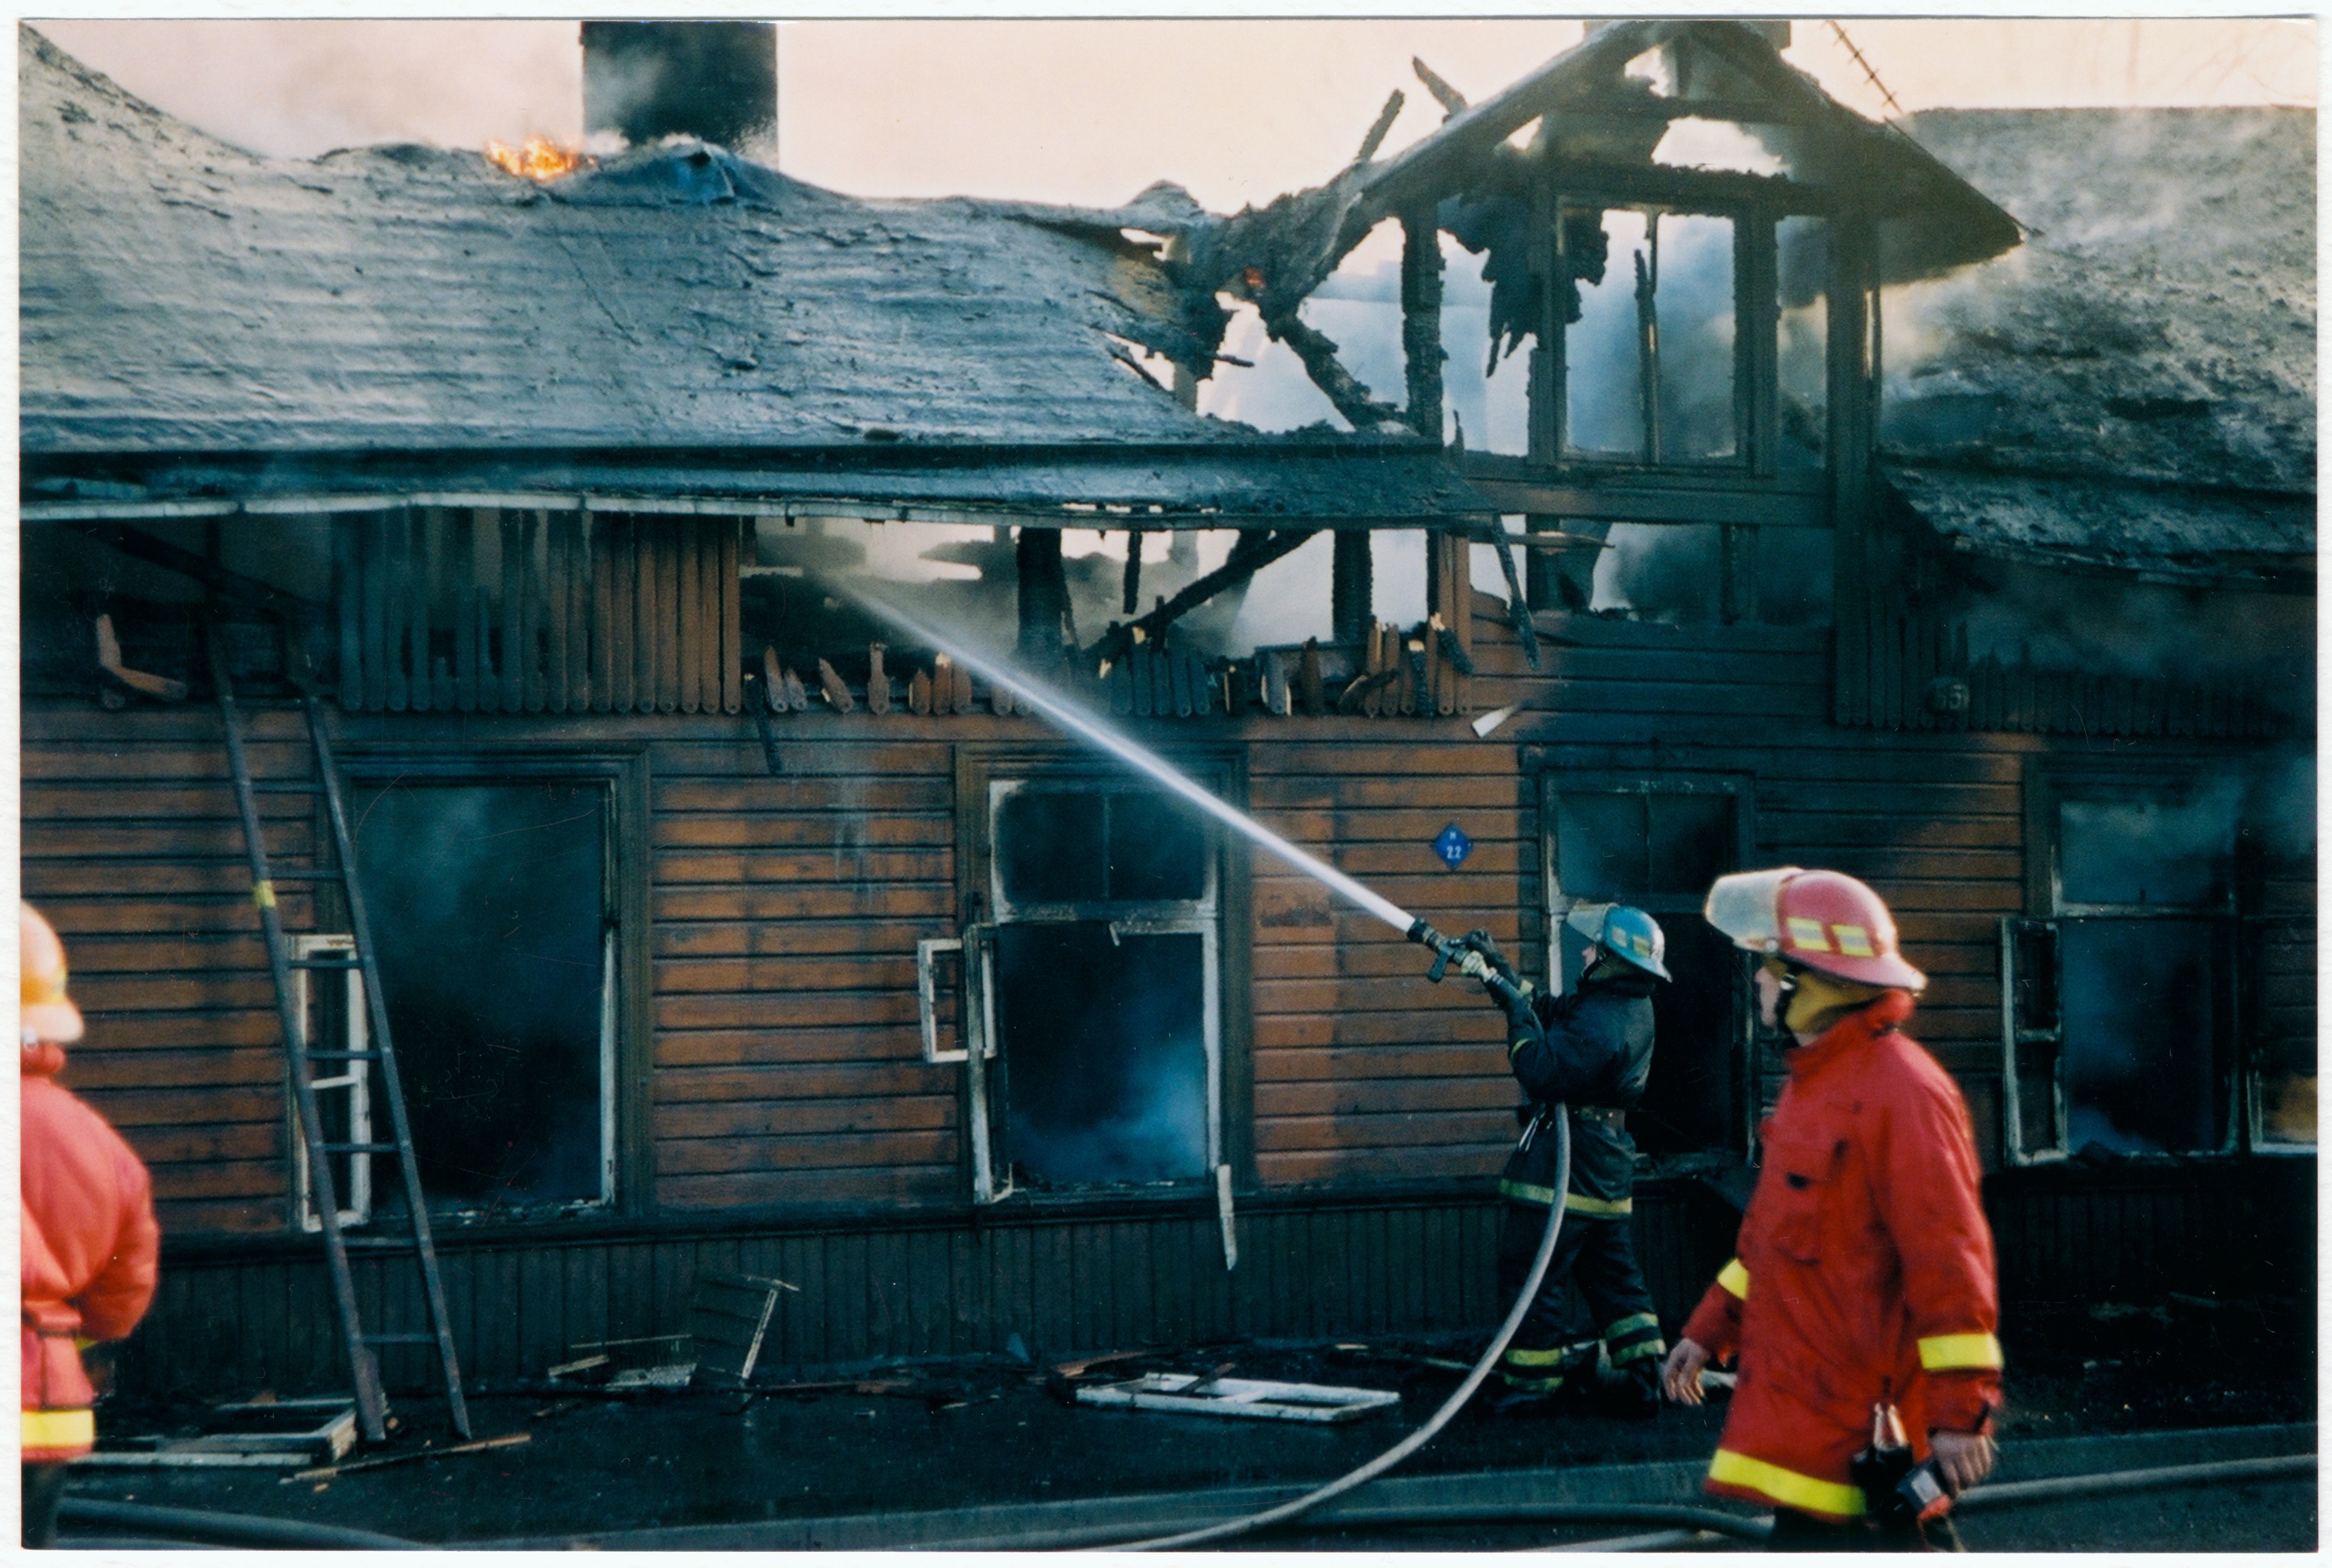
724, 928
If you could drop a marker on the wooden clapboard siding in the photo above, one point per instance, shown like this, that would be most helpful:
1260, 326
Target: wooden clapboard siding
785, 1061
861, 859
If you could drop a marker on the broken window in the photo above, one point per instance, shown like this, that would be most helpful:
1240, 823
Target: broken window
2120, 1031
1648, 361
1102, 975
490, 904
1658, 844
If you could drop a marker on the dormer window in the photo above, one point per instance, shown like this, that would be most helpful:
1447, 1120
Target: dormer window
1650, 349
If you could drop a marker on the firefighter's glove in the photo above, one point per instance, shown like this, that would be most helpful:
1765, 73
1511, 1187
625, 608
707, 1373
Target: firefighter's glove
1480, 944
1964, 1458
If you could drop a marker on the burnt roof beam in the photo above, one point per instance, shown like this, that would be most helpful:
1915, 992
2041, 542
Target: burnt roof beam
1251, 555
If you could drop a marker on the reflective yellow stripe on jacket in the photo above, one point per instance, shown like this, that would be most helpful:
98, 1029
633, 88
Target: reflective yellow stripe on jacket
1787, 1488
60, 1429
1573, 1203
1735, 1279
1958, 1351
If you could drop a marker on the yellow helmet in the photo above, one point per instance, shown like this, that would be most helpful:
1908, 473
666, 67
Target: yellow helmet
48, 1013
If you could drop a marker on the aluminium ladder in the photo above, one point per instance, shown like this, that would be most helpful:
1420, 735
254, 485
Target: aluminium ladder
379, 1053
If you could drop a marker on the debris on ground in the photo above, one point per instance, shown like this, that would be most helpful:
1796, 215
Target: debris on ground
1214, 1395
326, 1472
261, 1432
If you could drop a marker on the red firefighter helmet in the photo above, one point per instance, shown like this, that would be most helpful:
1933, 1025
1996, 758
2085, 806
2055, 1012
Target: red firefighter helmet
1821, 920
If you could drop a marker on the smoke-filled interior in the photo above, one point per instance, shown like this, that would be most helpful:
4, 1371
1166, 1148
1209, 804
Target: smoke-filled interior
1105, 1054
1650, 356
485, 901
1100, 1015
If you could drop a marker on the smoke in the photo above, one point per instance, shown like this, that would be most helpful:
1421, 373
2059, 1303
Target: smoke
2139, 1063
1104, 1053
1663, 570
297, 89
2059, 620
486, 903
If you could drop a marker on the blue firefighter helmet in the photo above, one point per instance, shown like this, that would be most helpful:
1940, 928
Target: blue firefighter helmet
1624, 931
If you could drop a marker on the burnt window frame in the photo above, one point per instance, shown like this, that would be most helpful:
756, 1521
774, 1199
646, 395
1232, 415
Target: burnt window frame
1220, 769
1748, 273
628, 1022
2049, 784
1557, 776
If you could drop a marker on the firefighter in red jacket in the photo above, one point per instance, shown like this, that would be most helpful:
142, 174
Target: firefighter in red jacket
89, 1244
1863, 1304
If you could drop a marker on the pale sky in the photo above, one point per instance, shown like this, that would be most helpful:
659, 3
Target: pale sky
1091, 111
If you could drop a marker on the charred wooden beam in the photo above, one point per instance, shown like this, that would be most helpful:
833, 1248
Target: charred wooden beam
234, 585
1517, 602
1452, 101
1384, 126
1347, 392
1353, 587
1045, 626
1253, 552
1421, 320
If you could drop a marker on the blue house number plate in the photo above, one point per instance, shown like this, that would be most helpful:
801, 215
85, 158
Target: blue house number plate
1453, 847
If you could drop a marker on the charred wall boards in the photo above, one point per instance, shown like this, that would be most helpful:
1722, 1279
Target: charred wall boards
495, 609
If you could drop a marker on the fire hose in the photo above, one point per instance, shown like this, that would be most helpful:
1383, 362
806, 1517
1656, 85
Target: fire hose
1434, 1423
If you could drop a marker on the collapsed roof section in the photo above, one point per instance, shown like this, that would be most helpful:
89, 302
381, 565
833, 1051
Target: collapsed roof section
2136, 388
1603, 108
200, 322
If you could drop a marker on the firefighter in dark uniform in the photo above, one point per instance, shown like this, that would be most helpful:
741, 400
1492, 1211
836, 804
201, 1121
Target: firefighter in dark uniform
1590, 1051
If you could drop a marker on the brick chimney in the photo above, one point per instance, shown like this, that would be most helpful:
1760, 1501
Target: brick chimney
714, 81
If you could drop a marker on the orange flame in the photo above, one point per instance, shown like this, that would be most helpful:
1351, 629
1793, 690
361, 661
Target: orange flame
540, 160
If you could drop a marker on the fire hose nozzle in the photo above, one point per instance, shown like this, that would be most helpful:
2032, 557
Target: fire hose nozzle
1509, 992
1440, 946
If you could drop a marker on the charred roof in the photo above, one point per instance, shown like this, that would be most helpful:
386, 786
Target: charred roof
189, 310
2157, 329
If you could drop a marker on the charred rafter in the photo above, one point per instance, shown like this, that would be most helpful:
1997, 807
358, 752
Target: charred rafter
1253, 552
1349, 394
231, 585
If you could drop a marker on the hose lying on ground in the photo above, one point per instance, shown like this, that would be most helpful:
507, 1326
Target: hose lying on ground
201, 1525
2008, 1494
1439, 1419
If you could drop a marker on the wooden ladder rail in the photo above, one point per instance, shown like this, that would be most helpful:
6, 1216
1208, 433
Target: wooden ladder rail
372, 1409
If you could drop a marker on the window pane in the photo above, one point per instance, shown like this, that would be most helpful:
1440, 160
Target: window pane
2139, 1063
1692, 842
2144, 852
1103, 1045
1049, 846
486, 903
1157, 850
2288, 1104
1599, 850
